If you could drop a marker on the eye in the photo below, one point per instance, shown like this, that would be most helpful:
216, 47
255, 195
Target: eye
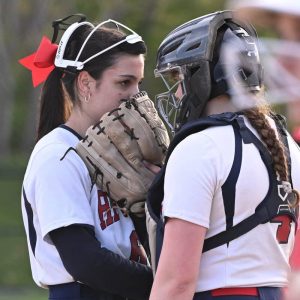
125, 82
140, 82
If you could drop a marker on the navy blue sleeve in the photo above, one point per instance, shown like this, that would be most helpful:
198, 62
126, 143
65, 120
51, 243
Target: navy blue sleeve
141, 230
99, 268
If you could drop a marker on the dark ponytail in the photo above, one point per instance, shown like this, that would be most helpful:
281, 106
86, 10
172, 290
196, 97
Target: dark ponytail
54, 106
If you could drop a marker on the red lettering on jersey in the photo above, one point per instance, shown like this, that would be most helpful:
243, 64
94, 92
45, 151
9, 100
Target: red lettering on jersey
138, 252
107, 214
284, 228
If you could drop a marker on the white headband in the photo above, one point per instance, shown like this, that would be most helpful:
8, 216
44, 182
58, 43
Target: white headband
64, 63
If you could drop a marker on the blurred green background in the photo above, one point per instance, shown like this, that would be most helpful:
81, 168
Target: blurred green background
23, 23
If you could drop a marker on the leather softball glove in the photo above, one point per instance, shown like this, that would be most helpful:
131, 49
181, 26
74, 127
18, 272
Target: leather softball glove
114, 150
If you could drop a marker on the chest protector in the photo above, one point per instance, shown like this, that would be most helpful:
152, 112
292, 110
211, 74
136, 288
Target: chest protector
274, 204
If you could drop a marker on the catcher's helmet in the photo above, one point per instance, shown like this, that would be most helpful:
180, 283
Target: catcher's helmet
190, 56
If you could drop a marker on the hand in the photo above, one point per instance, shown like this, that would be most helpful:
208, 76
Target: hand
153, 168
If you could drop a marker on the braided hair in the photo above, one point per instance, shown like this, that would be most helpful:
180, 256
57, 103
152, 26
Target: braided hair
257, 118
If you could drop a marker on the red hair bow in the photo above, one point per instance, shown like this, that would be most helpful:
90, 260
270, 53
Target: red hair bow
41, 62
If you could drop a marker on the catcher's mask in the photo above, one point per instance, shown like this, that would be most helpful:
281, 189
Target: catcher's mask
190, 57
61, 62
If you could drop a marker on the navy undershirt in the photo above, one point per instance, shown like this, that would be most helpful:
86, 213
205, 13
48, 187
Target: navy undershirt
100, 268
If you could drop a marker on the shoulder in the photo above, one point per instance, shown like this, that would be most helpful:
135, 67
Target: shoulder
56, 152
55, 144
211, 149
207, 140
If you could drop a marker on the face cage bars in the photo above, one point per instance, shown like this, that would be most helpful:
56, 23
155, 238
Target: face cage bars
167, 103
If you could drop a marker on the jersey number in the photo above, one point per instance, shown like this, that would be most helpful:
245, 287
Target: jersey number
284, 228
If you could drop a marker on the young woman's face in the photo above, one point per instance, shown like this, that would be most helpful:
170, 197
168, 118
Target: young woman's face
120, 81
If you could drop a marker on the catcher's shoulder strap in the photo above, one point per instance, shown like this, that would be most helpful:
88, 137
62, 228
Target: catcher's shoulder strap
272, 205
156, 191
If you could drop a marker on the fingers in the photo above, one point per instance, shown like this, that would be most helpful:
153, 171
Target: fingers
153, 168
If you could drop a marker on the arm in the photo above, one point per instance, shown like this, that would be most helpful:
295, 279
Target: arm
179, 262
98, 267
293, 290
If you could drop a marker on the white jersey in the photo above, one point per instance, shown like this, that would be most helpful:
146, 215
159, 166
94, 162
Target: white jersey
57, 192
201, 164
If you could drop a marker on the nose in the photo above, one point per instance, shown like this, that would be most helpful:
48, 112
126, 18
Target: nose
135, 89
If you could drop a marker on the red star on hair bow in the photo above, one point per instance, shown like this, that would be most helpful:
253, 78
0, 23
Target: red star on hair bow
41, 62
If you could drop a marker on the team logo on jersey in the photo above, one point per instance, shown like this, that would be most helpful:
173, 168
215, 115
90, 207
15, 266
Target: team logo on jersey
281, 192
283, 195
107, 214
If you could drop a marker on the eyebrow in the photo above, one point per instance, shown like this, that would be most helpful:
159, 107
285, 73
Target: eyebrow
129, 76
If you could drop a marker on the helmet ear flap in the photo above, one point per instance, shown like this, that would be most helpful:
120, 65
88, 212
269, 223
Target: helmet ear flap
201, 83
198, 88
246, 71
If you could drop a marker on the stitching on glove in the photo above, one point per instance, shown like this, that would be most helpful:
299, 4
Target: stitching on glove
101, 129
130, 132
118, 117
112, 111
107, 187
96, 172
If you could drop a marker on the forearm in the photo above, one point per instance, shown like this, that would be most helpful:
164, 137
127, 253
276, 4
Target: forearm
293, 290
98, 267
179, 262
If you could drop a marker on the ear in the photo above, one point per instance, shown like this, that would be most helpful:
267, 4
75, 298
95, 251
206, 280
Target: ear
83, 80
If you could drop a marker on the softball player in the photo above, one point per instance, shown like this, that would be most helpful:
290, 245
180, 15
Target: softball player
79, 246
218, 181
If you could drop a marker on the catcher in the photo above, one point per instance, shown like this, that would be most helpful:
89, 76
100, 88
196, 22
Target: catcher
229, 186
82, 245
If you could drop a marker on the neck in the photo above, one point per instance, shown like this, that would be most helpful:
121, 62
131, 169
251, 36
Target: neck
219, 105
78, 122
